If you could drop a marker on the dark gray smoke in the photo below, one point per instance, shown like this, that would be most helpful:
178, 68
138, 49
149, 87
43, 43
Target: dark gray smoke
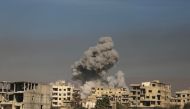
96, 61
94, 65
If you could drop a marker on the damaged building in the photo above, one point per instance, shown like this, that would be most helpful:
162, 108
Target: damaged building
24, 95
181, 98
116, 95
150, 94
62, 94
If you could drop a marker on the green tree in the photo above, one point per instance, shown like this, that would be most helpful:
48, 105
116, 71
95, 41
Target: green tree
174, 107
186, 106
121, 106
159, 108
103, 103
76, 100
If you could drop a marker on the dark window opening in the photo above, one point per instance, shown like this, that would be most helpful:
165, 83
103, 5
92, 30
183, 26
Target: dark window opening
19, 97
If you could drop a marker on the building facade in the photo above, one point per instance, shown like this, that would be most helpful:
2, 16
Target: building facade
116, 95
62, 94
150, 94
24, 95
181, 97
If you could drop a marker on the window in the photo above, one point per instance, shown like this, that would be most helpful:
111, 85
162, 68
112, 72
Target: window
178, 95
55, 89
153, 85
134, 98
59, 94
147, 97
68, 98
179, 100
158, 96
59, 89
59, 98
69, 89
152, 102
54, 98
32, 98
55, 103
153, 97
150, 91
54, 93
158, 91
183, 95
134, 93
158, 102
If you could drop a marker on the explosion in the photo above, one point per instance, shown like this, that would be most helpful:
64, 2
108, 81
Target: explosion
92, 68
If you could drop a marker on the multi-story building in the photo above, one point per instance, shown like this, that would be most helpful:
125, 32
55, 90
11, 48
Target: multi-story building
116, 95
150, 94
24, 95
135, 95
181, 97
62, 94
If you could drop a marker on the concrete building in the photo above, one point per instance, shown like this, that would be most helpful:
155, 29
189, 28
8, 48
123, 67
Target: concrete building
150, 94
120, 95
24, 95
181, 97
135, 95
62, 94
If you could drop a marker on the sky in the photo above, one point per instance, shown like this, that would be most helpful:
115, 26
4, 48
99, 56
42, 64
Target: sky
41, 39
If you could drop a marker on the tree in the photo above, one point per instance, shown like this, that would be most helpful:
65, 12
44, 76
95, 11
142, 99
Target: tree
76, 100
186, 106
169, 107
174, 107
121, 106
103, 103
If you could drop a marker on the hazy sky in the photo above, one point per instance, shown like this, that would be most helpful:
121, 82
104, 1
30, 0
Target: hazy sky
41, 39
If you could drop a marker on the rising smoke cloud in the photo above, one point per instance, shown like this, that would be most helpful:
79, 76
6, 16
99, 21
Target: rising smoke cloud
92, 68
118, 80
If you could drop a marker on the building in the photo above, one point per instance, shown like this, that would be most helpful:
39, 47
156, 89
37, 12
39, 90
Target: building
116, 95
24, 95
181, 97
135, 95
150, 94
62, 94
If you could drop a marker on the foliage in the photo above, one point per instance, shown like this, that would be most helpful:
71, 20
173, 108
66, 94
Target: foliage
186, 106
121, 106
174, 107
76, 100
170, 107
80, 107
103, 103
159, 108
135, 108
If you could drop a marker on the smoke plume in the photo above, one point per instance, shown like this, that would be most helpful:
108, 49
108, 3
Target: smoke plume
92, 68
96, 61
117, 81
